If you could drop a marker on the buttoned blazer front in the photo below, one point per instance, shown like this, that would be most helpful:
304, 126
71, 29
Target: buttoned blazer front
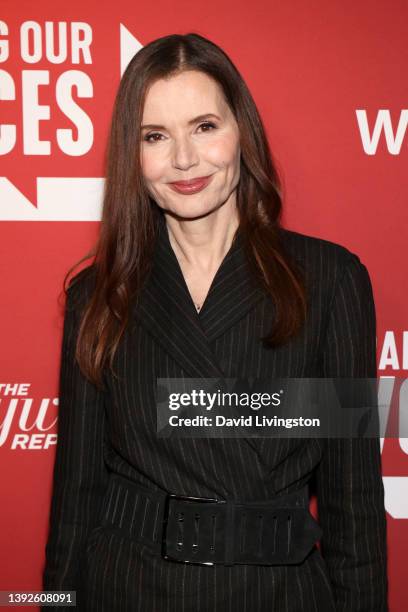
114, 432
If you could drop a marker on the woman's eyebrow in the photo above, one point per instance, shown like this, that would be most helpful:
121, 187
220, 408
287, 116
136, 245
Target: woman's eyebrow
152, 126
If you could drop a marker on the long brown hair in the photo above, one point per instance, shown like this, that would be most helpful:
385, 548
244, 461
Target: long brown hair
124, 248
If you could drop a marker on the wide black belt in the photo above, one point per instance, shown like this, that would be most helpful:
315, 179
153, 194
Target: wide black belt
210, 531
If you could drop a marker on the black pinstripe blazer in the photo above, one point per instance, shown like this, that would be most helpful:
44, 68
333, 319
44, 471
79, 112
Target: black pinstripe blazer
115, 432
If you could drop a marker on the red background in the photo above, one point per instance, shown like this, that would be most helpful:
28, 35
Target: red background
309, 66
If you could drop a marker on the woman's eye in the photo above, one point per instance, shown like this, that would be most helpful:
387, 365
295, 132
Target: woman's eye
148, 137
208, 124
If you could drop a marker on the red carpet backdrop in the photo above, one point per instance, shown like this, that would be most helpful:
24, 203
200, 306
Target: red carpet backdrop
329, 81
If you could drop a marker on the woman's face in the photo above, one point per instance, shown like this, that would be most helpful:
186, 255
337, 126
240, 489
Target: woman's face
191, 133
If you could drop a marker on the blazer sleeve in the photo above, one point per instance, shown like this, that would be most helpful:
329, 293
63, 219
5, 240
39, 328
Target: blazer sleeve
80, 476
350, 492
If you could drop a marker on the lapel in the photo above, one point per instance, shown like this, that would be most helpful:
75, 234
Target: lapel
165, 307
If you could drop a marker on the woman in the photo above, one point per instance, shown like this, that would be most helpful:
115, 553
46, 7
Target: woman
194, 277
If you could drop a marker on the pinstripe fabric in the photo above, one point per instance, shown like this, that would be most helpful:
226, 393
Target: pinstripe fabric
100, 433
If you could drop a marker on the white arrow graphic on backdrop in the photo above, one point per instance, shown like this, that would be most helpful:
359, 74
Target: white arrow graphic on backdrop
63, 198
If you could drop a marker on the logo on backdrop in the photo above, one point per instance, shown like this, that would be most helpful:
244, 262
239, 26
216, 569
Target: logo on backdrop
26, 422
383, 124
47, 93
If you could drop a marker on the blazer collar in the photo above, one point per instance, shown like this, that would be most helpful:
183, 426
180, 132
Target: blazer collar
167, 311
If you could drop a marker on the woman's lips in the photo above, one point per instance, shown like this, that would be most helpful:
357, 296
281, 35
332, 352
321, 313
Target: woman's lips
193, 186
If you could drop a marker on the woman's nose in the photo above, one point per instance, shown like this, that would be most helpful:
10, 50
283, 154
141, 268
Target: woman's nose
184, 153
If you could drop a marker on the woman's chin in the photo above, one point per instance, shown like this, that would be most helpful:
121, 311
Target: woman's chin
189, 213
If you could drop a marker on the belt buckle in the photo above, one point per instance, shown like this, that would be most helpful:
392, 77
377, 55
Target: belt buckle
168, 498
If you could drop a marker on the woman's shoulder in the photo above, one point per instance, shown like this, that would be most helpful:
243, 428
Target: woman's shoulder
313, 252
326, 265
